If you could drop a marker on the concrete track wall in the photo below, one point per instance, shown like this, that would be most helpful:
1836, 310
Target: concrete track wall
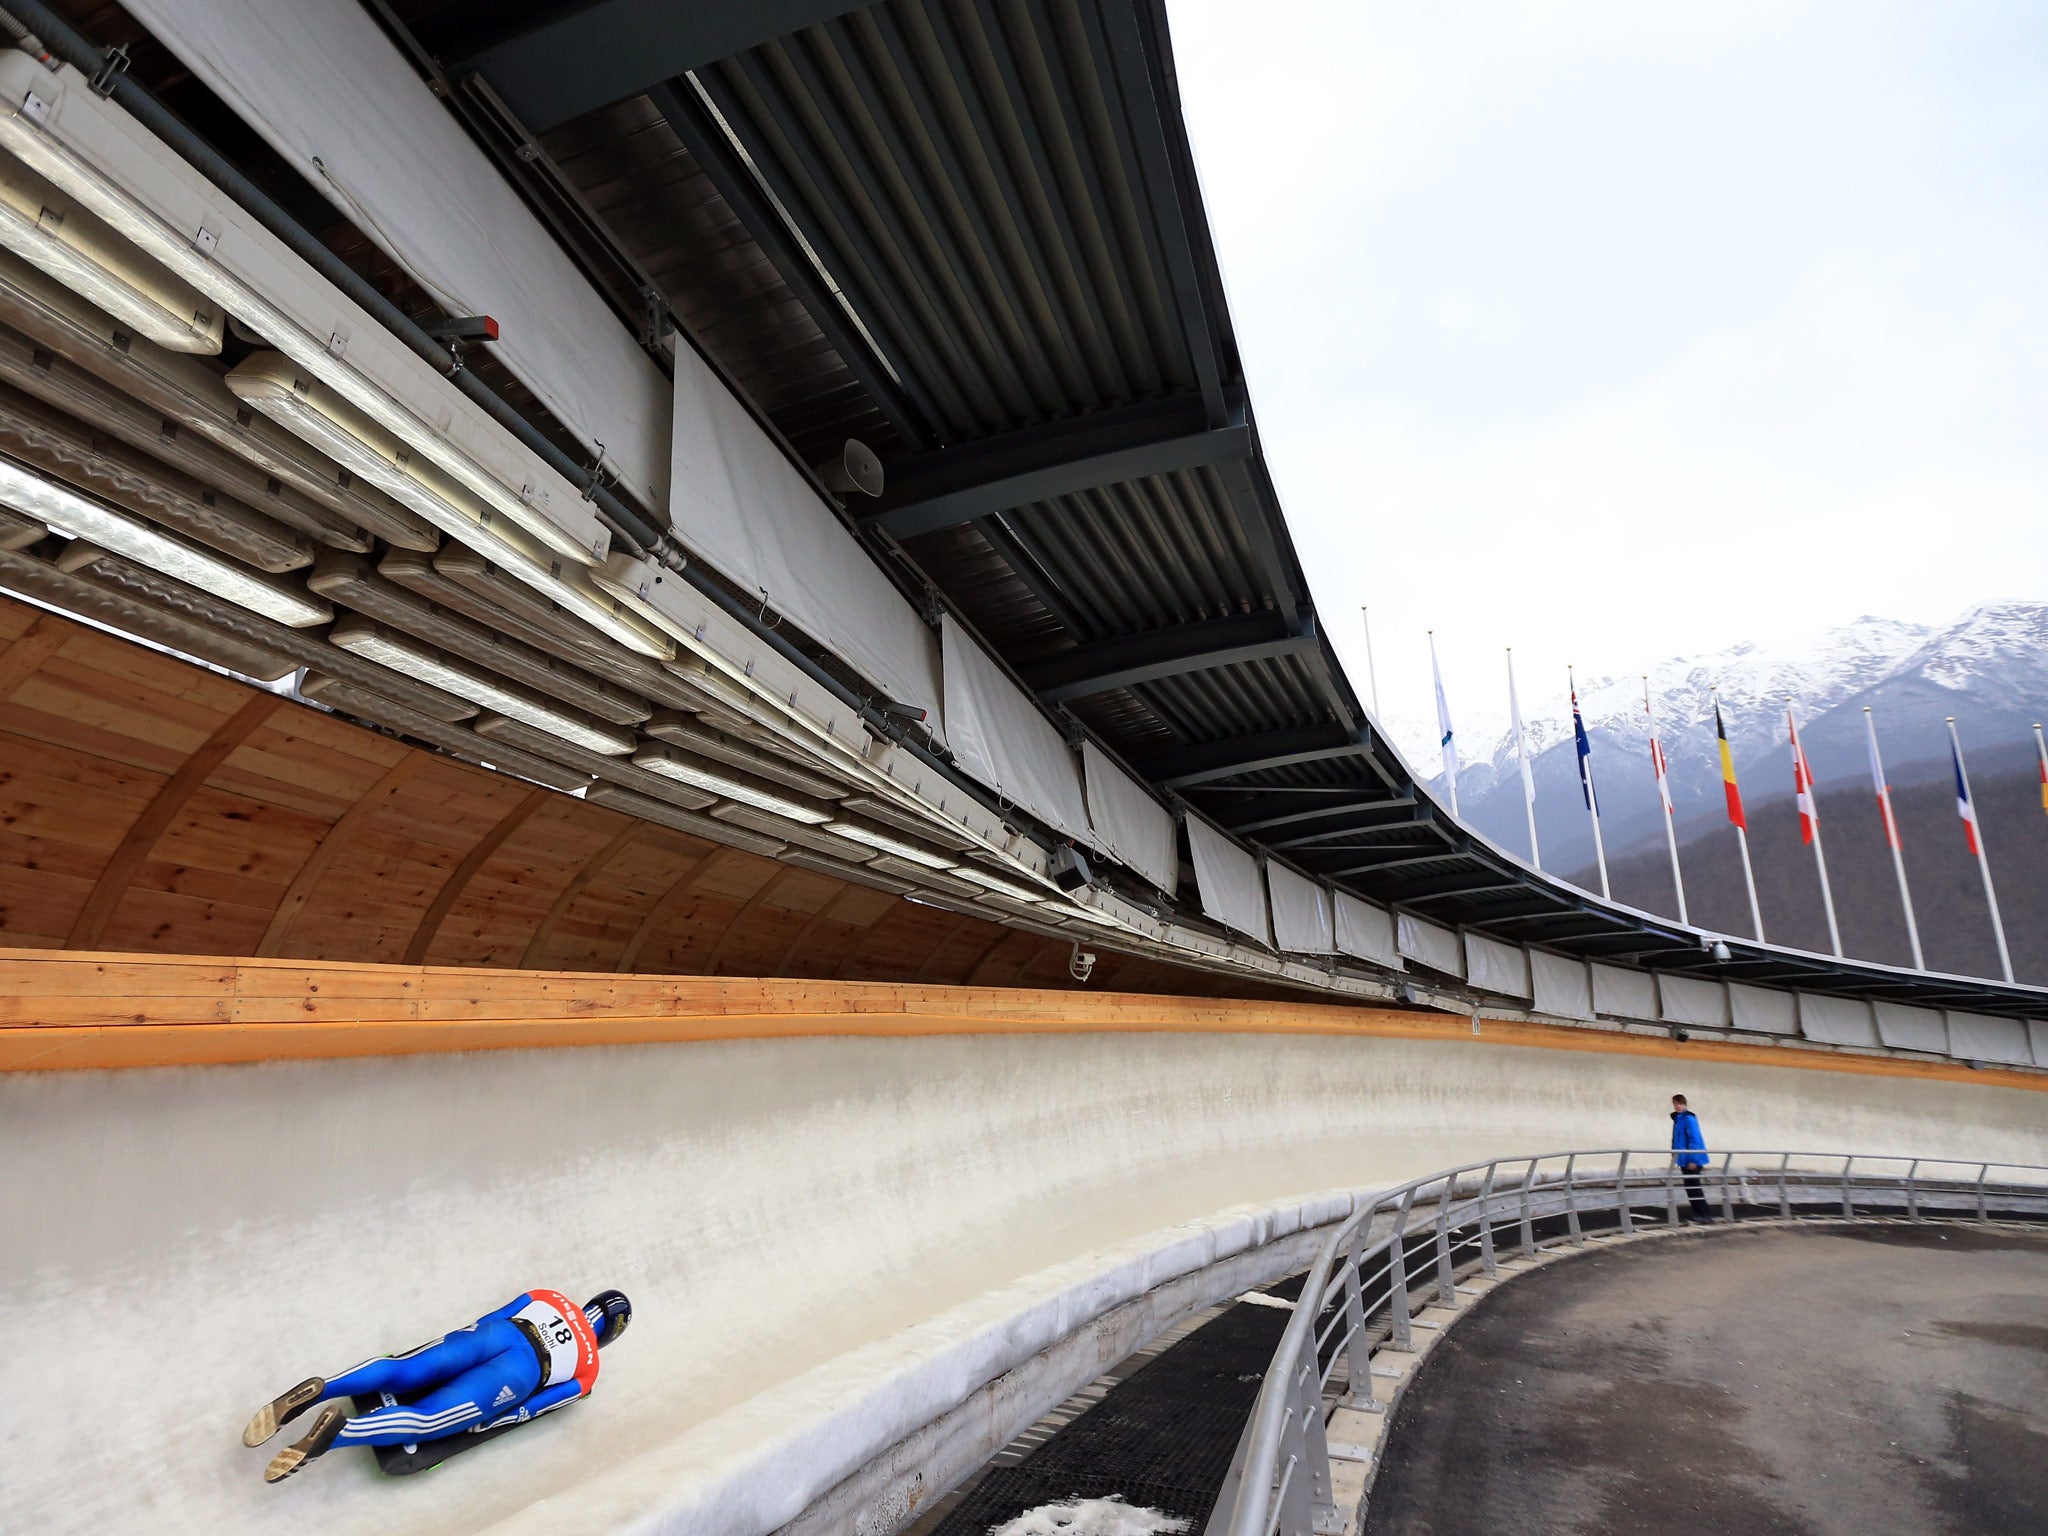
184, 1243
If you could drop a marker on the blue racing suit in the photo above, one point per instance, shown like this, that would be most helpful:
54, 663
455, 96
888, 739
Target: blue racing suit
532, 1355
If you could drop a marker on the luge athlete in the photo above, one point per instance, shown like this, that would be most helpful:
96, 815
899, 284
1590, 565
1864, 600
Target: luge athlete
532, 1355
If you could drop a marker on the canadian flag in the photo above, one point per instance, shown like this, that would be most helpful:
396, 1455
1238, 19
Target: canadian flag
1802, 782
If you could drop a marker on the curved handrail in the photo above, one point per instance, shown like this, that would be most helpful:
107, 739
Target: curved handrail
1281, 1485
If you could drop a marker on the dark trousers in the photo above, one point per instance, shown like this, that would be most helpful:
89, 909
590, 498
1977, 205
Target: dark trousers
1696, 1192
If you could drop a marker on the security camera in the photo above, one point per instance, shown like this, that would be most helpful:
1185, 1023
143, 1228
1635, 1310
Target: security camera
1720, 950
1081, 963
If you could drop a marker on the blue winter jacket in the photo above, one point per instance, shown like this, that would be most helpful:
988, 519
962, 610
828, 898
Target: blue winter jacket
1686, 1138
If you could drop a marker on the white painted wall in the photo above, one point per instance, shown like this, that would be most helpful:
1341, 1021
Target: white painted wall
183, 1244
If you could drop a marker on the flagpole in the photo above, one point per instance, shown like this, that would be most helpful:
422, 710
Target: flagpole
1756, 914
1372, 675
1659, 767
1802, 783
1977, 841
1586, 779
1891, 836
1522, 757
1443, 725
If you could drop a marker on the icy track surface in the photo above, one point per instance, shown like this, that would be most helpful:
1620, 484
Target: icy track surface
180, 1245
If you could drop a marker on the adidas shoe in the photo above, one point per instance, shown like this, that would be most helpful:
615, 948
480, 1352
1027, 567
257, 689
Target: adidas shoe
272, 1415
311, 1444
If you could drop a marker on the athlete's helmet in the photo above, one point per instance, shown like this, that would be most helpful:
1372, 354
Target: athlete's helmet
609, 1312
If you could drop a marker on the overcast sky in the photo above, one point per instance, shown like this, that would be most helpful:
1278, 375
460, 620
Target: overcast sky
1613, 330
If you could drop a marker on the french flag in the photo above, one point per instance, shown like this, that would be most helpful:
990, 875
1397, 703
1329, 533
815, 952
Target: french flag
1965, 806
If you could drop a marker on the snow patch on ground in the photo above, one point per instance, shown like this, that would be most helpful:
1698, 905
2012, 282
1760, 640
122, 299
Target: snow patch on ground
1090, 1517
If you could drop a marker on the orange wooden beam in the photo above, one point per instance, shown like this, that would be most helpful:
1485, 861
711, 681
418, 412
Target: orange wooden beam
69, 1010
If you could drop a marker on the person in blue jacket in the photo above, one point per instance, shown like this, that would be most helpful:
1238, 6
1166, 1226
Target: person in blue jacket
534, 1354
1689, 1151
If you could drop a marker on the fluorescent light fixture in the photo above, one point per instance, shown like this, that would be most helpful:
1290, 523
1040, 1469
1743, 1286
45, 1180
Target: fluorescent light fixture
75, 517
374, 643
270, 383
903, 848
658, 759
1090, 914
981, 876
65, 132
43, 227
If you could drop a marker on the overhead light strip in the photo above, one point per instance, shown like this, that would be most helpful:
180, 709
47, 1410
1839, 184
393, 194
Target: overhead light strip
41, 225
44, 114
372, 642
75, 517
272, 384
658, 759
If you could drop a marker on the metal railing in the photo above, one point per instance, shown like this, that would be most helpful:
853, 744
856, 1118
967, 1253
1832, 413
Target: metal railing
1404, 1252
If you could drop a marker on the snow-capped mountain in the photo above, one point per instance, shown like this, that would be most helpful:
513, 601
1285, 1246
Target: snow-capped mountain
1989, 669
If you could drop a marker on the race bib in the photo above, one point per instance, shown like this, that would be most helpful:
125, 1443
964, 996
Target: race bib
565, 1334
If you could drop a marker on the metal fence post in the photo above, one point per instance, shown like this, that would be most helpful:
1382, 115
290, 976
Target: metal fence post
1784, 1191
1357, 1350
1400, 1334
1848, 1201
1446, 1275
1671, 1191
1912, 1190
1628, 1220
1486, 1260
1315, 1444
1571, 1200
1528, 1224
1983, 1173
1727, 1187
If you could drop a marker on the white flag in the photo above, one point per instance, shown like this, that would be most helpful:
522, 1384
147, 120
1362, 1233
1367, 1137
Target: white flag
1521, 751
1443, 725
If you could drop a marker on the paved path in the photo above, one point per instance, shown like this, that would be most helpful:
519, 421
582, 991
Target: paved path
1875, 1381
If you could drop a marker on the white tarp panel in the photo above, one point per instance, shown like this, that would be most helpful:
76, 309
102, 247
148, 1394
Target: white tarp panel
2038, 1030
324, 86
1764, 1009
1906, 1028
1302, 920
1561, 985
1000, 736
739, 503
1129, 824
1367, 932
1980, 1037
1493, 966
1429, 944
1685, 1000
1228, 880
1836, 1020
1624, 994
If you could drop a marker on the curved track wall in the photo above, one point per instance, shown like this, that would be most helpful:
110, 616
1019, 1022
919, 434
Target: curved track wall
218, 1232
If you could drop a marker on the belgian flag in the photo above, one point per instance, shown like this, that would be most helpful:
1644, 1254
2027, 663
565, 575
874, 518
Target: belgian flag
1728, 784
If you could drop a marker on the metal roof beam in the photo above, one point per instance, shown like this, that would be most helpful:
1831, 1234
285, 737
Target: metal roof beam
1423, 815
1145, 658
1249, 754
1025, 468
740, 187
1374, 866
607, 51
1463, 886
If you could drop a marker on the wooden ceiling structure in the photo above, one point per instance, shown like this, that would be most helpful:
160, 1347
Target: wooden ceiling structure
148, 804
